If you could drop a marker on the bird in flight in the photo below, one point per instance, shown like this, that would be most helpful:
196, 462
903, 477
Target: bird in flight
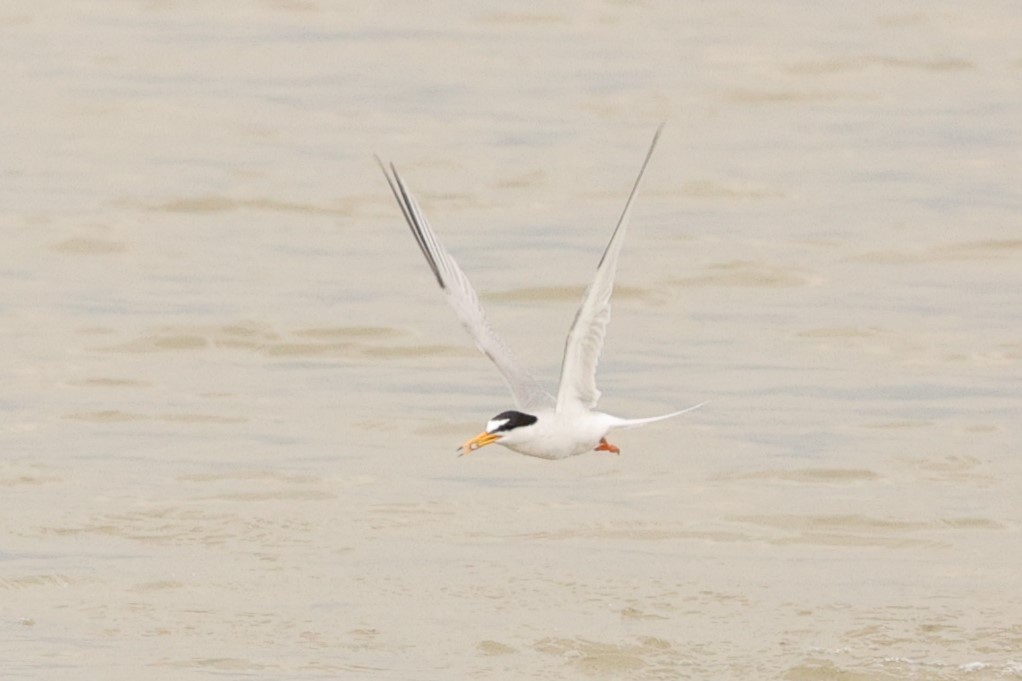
541, 424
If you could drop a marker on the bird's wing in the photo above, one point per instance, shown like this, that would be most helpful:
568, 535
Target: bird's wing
585, 340
527, 392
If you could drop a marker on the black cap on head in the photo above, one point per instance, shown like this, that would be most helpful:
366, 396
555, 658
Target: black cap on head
509, 420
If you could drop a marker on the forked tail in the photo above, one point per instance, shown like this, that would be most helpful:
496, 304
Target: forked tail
634, 423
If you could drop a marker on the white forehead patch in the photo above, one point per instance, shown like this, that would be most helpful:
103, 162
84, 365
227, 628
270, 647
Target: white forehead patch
493, 424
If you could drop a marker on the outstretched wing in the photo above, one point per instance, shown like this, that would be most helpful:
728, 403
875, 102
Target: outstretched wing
527, 392
585, 340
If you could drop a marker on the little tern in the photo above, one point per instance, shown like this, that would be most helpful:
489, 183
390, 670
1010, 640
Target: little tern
541, 425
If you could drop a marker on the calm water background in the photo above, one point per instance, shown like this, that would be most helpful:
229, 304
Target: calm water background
230, 393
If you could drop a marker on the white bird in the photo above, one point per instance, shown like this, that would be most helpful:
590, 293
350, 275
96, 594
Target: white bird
541, 425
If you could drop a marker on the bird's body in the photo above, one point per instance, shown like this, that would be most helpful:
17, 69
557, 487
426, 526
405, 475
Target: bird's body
543, 425
556, 435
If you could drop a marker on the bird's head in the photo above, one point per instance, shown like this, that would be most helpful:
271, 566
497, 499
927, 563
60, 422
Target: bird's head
505, 426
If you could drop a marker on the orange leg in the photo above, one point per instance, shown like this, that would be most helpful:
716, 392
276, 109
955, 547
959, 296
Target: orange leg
605, 446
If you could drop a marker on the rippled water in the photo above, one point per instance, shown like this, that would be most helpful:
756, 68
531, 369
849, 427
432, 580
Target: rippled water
232, 393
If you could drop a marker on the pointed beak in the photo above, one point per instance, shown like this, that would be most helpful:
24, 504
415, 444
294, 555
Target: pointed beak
480, 440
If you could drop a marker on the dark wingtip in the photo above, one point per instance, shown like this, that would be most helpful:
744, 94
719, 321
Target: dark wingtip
635, 190
404, 201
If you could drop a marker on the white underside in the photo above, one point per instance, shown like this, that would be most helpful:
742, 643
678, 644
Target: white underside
557, 435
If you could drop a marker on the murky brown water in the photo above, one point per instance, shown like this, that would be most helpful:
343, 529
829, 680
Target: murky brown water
231, 394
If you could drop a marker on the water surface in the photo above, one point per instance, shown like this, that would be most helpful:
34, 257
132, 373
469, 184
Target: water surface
231, 392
